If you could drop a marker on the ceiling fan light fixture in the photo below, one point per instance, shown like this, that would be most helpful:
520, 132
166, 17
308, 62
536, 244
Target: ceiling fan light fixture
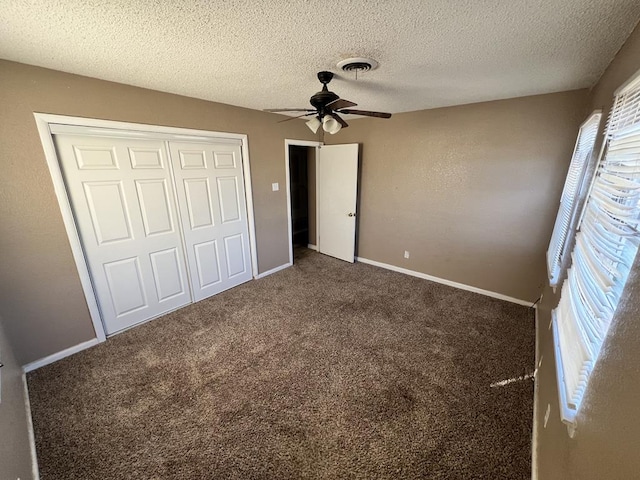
327, 109
314, 124
330, 125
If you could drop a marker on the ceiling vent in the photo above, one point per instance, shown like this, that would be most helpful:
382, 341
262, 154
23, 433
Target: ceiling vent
357, 65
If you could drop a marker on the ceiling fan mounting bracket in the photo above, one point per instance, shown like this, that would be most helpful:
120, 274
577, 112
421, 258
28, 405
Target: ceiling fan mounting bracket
325, 77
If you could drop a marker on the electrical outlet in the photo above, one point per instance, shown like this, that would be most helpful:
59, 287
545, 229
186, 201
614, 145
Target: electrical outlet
275, 187
406, 254
546, 415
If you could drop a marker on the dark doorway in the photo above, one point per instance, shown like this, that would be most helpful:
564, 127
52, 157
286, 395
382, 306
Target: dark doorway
302, 187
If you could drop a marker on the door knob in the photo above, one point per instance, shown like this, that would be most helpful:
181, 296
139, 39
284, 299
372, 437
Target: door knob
352, 214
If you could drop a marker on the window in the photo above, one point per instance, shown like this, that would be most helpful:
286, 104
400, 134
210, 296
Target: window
579, 176
605, 249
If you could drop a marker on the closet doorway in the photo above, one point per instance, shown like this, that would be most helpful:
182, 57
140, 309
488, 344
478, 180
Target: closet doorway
301, 170
302, 164
322, 190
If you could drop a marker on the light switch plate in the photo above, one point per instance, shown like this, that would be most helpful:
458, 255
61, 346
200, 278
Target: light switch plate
275, 186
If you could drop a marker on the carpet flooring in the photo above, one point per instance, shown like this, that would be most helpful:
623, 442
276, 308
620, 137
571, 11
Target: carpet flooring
325, 370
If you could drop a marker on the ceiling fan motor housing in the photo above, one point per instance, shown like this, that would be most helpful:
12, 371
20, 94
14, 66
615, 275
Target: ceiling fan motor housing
320, 100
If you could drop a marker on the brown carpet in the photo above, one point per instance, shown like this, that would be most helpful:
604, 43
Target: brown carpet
325, 370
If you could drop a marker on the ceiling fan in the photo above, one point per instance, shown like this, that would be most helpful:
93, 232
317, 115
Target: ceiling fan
327, 105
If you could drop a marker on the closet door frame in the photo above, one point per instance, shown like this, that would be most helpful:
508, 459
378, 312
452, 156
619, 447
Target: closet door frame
45, 122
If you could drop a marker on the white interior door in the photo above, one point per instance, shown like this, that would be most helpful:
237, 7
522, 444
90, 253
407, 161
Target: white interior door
337, 196
124, 206
211, 198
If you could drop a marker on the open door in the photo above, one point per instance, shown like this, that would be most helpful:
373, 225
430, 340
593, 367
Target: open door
337, 195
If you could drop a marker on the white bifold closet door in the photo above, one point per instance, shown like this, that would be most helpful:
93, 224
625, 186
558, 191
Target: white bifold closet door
211, 197
124, 206
162, 224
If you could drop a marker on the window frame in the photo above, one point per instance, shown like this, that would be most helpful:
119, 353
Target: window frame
572, 202
579, 330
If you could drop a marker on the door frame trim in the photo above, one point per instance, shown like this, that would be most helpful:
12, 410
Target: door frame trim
298, 143
133, 130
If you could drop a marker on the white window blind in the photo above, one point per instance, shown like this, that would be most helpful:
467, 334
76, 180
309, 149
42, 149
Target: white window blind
605, 248
571, 196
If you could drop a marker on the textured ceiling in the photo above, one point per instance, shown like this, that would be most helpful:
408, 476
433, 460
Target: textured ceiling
265, 54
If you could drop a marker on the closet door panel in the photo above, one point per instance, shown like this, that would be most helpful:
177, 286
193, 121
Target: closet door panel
168, 275
211, 197
124, 205
154, 206
207, 263
235, 255
198, 202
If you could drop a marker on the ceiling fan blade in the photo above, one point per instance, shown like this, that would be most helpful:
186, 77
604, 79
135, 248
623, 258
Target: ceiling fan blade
340, 120
340, 103
366, 113
276, 110
298, 116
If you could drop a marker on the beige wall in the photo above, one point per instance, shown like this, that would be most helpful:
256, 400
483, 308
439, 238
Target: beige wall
470, 191
40, 295
15, 454
607, 442
455, 187
451, 185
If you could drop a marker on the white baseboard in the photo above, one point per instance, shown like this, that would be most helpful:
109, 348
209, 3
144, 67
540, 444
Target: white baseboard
32, 438
444, 281
273, 270
311, 246
536, 409
59, 356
